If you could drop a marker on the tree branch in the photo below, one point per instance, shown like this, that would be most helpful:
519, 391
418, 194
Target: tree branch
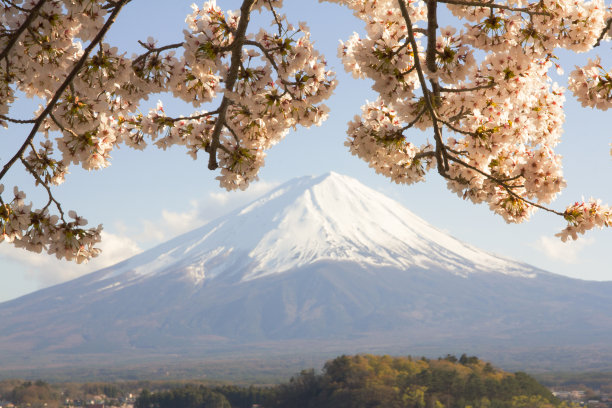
491, 5
26, 24
453, 128
264, 50
426, 93
504, 185
230, 80
276, 19
141, 58
476, 88
415, 120
21, 121
603, 32
58, 93
194, 117
49, 192
423, 155
432, 27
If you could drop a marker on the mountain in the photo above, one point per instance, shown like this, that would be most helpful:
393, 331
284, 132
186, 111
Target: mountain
321, 264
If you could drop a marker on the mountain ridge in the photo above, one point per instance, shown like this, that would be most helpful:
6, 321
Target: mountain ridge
273, 245
323, 261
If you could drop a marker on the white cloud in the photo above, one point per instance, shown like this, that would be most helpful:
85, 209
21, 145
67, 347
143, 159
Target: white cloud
565, 252
44, 270
215, 204
47, 270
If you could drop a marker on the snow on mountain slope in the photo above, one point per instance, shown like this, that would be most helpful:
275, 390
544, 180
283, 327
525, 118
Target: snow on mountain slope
320, 263
330, 217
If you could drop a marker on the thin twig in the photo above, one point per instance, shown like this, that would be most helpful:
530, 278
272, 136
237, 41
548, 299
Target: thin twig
491, 5
236, 138
476, 88
17, 120
453, 128
141, 58
505, 186
264, 50
462, 114
415, 120
276, 19
195, 117
49, 193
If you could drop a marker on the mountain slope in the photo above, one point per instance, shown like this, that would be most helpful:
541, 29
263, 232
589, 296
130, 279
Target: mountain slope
332, 217
324, 260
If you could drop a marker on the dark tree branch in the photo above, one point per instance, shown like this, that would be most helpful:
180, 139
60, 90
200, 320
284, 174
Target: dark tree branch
426, 93
67, 82
264, 50
603, 32
276, 19
194, 117
22, 121
230, 80
432, 28
455, 129
415, 120
423, 155
33, 13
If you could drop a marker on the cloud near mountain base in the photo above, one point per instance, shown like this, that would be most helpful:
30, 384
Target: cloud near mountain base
46, 270
565, 252
201, 211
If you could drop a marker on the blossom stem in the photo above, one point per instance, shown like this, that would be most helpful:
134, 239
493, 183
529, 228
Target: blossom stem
230, 80
504, 185
492, 5
46, 186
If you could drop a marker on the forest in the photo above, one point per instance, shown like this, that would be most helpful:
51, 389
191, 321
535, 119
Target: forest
358, 381
364, 381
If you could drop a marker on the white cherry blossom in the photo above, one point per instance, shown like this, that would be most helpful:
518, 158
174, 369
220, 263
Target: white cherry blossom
477, 85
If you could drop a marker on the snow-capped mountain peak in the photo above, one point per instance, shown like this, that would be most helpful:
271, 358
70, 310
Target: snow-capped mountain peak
319, 263
330, 217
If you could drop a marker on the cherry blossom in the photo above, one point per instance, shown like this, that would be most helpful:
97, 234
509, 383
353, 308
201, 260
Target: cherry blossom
477, 86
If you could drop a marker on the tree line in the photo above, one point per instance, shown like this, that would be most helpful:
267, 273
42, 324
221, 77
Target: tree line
368, 381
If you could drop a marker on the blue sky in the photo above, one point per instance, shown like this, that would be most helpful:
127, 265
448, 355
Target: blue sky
145, 198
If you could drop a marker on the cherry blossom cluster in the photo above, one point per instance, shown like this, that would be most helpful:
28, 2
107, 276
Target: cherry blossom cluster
47, 48
495, 122
478, 86
277, 82
583, 216
376, 137
268, 82
37, 230
40, 43
592, 85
